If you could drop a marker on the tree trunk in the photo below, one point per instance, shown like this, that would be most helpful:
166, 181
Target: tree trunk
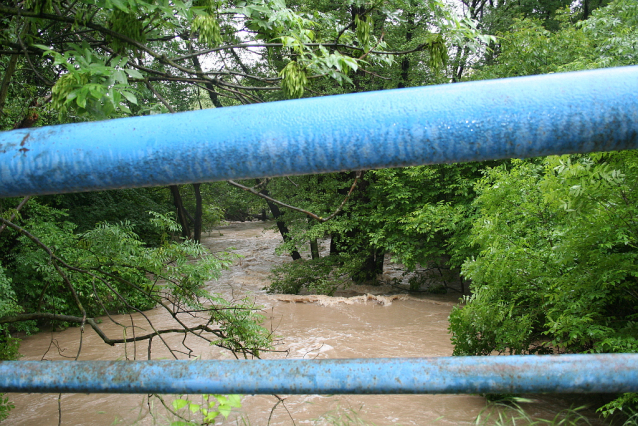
314, 249
353, 243
405, 62
459, 64
211, 88
181, 211
372, 267
197, 225
283, 229
4, 88
197, 221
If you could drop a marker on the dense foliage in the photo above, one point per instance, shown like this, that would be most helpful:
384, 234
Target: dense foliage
66, 259
548, 244
315, 276
51, 271
555, 263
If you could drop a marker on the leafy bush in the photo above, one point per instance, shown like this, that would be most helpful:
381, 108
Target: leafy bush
88, 209
509, 412
211, 407
417, 281
5, 407
109, 269
8, 345
558, 259
317, 276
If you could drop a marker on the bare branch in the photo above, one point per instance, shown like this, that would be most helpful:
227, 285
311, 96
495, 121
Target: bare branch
343, 203
306, 212
98, 330
339, 45
83, 319
158, 96
374, 74
13, 215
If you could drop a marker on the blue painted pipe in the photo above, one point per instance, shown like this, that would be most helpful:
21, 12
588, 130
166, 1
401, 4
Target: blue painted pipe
519, 117
498, 374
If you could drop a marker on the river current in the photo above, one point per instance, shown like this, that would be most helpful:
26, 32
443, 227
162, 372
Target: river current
364, 322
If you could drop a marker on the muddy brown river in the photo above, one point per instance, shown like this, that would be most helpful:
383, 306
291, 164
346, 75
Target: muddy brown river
365, 322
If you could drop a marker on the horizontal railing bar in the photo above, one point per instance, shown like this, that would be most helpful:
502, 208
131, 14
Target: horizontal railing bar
510, 118
497, 374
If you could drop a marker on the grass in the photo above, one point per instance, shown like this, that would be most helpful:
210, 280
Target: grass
343, 417
510, 413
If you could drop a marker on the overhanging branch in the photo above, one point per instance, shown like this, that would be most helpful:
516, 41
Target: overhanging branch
91, 321
288, 206
341, 45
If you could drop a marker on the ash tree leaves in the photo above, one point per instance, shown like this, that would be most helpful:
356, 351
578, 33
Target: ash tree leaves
555, 239
208, 29
607, 39
93, 85
205, 22
363, 30
557, 253
299, 47
128, 24
294, 80
558, 264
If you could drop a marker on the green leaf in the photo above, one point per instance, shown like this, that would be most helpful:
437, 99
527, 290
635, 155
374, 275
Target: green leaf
119, 76
47, 49
224, 411
211, 415
81, 99
120, 4
178, 404
234, 401
129, 97
134, 73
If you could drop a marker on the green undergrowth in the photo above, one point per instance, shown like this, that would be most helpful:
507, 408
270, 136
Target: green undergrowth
509, 412
316, 276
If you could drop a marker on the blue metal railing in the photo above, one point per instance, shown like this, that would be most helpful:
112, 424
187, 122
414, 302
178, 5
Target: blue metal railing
518, 117
521, 117
506, 374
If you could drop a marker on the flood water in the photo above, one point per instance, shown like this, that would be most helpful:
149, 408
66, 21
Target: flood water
358, 324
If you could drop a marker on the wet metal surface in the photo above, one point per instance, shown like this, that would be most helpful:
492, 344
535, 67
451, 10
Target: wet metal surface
504, 374
510, 118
